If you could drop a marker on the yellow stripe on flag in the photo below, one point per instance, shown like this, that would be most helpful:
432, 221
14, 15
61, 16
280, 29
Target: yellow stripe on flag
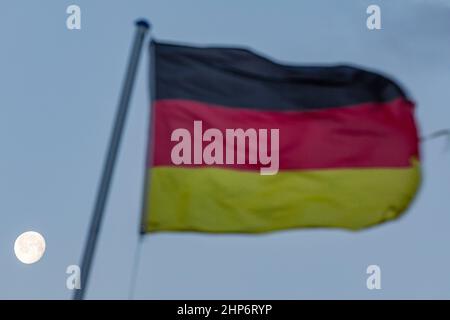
222, 200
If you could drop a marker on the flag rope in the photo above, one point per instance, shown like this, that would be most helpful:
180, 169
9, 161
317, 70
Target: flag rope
135, 267
438, 134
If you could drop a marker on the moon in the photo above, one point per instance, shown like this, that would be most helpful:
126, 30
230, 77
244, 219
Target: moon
29, 247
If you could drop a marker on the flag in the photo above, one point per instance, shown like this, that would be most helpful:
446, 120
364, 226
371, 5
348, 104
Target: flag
342, 141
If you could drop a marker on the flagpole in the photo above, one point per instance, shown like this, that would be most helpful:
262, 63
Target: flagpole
142, 27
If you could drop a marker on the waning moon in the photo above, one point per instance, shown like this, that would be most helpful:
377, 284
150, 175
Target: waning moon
29, 247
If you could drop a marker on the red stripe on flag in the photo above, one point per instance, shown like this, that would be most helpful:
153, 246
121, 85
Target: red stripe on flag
359, 136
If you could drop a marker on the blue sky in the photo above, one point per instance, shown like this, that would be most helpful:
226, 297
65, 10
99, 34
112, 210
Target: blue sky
58, 98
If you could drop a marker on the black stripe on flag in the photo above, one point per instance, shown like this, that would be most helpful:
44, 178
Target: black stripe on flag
240, 78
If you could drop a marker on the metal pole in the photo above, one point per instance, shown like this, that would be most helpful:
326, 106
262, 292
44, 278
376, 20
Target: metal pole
142, 27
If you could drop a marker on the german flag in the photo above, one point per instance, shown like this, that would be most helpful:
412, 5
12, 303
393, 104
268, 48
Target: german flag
347, 145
